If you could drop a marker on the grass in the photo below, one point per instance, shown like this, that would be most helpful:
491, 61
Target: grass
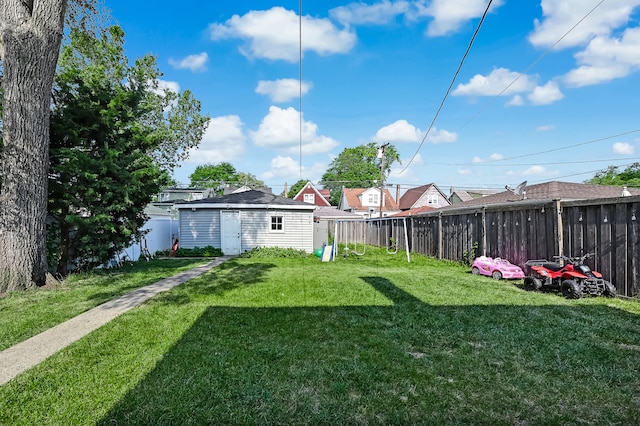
363, 340
25, 314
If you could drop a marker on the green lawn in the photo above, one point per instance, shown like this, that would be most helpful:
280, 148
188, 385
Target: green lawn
358, 341
25, 314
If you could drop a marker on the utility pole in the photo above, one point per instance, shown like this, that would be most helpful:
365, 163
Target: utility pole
380, 155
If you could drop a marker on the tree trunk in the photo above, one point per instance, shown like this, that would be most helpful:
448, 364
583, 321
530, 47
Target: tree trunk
30, 36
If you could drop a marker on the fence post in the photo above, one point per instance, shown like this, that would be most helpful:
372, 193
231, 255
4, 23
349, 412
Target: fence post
484, 230
559, 227
440, 232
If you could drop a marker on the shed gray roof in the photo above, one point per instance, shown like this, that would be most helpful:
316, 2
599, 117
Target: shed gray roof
251, 197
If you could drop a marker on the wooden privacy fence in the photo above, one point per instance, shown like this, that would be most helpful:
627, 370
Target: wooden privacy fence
530, 229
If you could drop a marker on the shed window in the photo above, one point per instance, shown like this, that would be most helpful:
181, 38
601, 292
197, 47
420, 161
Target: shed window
276, 223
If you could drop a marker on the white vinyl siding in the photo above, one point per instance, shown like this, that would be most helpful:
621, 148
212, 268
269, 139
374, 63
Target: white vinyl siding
201, 228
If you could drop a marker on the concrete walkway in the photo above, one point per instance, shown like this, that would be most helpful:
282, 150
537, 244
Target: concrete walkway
21, 357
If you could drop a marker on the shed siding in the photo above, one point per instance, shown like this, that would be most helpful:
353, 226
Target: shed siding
199, 228
297, 232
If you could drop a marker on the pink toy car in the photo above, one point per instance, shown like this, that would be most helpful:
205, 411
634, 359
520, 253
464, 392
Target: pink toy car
496, 268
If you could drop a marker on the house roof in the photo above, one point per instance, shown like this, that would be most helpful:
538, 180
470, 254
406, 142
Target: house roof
414, 212
252, 198
334, 213
352, 196
323, 194
412, 195
552, 190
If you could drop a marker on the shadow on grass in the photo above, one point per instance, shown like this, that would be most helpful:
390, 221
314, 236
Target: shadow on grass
410, 363
224, 278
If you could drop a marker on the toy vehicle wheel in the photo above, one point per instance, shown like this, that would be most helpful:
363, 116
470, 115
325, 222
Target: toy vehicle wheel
571, 290
475, 270
532, 284
609, 290
496, 275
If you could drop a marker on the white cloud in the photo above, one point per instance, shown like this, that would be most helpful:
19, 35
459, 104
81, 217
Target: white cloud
399, 131
606, 58
535, 170
545, 95
516, 101
623, 148
495, 84
194, 63
441, 136
403, 131
168, 85
559, 16
283, 90
493, 157
545, 128
223, 140
362, 13
450, 15
280, 129
274, 34
288, 169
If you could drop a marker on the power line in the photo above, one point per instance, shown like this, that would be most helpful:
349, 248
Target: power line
300, 80
455, 76
534, 63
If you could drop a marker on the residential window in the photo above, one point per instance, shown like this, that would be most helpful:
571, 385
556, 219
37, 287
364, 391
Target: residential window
373, 198
196, 196
432, 199
310, 198
277, 223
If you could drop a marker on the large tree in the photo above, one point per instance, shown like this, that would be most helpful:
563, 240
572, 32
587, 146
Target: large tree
115, 137
217, 176
630, 176
358, 167
30, 36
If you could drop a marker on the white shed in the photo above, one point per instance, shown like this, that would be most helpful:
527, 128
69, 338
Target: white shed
239, 222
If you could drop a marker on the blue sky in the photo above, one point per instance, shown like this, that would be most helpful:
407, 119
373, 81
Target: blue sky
549, 90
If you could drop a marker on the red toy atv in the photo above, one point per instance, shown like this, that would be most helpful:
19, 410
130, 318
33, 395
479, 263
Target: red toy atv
574, 278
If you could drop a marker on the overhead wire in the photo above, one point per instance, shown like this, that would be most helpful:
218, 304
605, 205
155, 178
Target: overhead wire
534, 63
453, 80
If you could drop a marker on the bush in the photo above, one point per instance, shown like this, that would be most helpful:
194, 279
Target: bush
208, 251
267, 252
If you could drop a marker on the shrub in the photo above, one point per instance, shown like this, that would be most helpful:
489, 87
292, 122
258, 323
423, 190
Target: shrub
267, 252
208, 251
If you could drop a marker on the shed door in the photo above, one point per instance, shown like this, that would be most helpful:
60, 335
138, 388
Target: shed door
230, 231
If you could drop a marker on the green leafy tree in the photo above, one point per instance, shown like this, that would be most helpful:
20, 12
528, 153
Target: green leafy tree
115, 137
217, 176
357, 167
296, 187
630, 176
213, 176
249, 180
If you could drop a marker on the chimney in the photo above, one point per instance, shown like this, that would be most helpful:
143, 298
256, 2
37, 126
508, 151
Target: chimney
286, 190
398, 194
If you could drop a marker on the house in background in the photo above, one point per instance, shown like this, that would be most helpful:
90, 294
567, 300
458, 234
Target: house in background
176, 193
244, 220
366, 202
553, 190
457, 196
310, 194
423, 196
